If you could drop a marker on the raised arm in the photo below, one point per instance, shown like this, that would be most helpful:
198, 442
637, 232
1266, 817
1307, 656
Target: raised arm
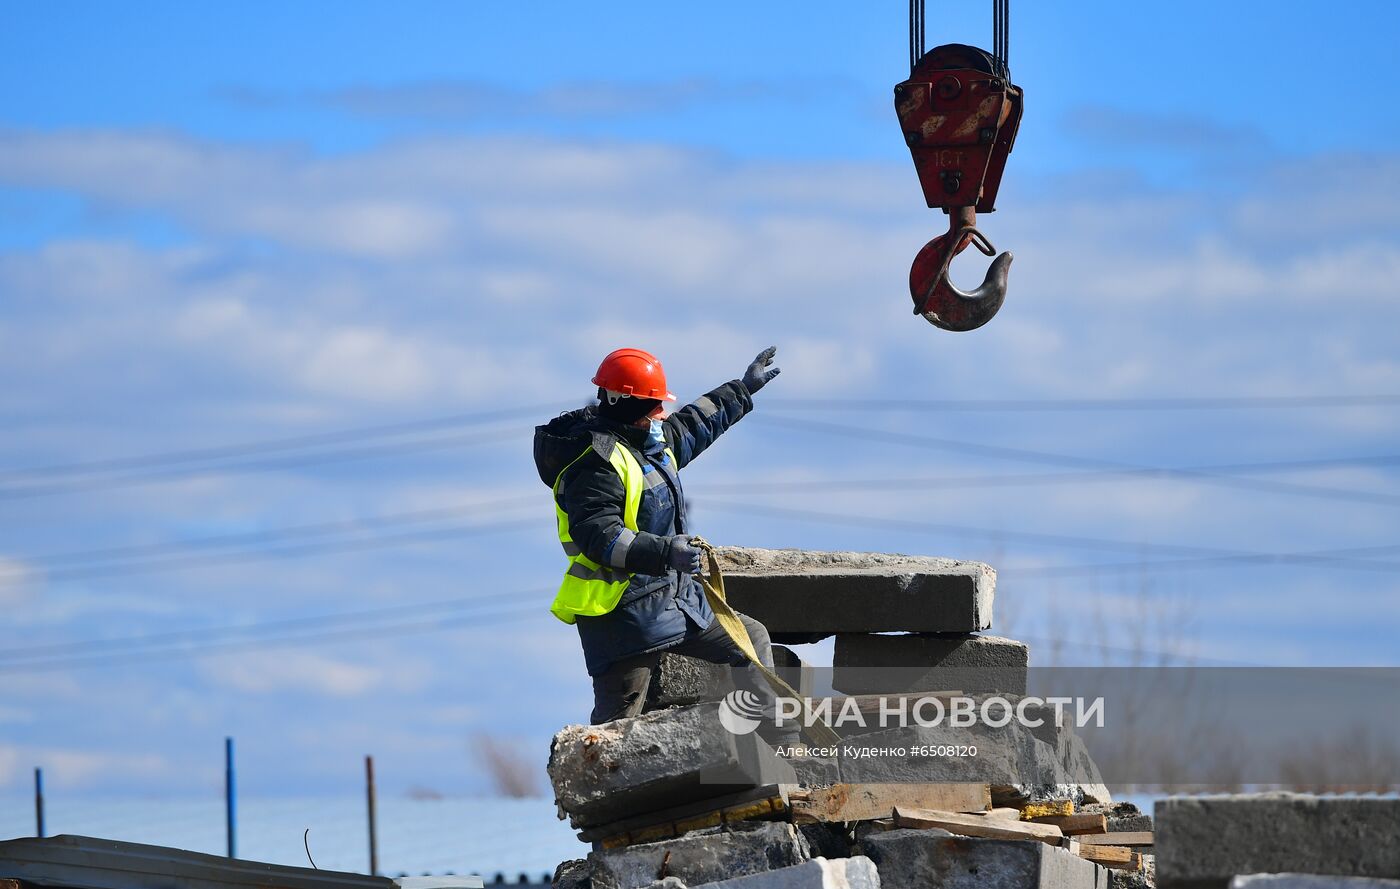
693, 428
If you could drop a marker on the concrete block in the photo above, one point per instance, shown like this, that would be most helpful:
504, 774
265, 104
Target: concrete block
679, 681
917, 859
604, 773
794, 671
883, 825
1082, 795
826, 839
1040, 763
1202, 842
702, 856
1122, 817
865, 663
1121, 878
819, 873
816, 594
1309, 881
574, 873
815, 771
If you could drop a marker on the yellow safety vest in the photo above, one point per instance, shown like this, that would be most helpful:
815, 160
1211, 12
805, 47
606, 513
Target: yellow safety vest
591, 589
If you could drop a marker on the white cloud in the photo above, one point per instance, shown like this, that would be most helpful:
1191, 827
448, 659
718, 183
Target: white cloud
309, 293
14, 716
290, 670
366, 361
67, 768
18, 579
10, 765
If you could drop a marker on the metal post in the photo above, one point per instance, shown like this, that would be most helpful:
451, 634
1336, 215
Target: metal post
39, 803
373, 817
230, 799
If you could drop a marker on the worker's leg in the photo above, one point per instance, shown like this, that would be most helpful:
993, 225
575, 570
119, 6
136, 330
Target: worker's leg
715, 646
621, 690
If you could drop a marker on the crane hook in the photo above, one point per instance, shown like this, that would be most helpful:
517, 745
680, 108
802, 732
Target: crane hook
935, 296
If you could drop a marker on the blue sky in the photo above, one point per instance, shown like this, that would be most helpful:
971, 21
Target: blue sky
247, 223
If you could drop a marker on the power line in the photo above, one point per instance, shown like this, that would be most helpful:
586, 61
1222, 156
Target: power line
275, 536
295, 550
240, 646
38, 481
289, 462
948, 482
220, 452
275, 444
1026, 455
1049, 405
1033, 537
1320, 556
1190, 659
108, 562
195, 634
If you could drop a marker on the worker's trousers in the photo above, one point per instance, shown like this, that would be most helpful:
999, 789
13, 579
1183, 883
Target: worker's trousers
621, 690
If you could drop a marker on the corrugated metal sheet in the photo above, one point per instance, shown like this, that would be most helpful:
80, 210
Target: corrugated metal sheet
485, 836
75, 862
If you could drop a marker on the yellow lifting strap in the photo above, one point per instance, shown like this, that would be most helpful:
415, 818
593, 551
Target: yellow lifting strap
818, 732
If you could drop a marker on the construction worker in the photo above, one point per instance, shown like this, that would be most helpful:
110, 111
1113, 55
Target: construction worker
631, 588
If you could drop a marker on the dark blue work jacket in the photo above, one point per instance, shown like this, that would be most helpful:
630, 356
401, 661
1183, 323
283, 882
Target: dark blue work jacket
660, 606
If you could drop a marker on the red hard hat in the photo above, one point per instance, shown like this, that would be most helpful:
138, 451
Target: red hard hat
633, 372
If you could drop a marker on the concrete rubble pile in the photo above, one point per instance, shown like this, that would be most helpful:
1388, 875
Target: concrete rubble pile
672, 799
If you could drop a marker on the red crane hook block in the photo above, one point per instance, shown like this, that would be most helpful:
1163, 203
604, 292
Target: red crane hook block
959, 113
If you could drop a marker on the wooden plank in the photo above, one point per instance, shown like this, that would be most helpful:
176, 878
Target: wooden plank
1008, 814
650, 823
1009, 795
760, 809
862, 802
1041, 810
977, 825
1117, 857
1120, 838
1078, 823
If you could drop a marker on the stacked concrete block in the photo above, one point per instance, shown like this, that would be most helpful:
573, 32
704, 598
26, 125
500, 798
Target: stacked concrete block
1204, 842
612, 772
679, 681
1010, 757
918, 859
866, 663
673, 800
937, 605
702, 856
819, 873
804, 596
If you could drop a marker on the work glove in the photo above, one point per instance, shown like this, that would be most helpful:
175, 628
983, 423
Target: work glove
758, 374
682, 556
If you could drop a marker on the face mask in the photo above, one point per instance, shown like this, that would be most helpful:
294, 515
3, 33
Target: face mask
655, 432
